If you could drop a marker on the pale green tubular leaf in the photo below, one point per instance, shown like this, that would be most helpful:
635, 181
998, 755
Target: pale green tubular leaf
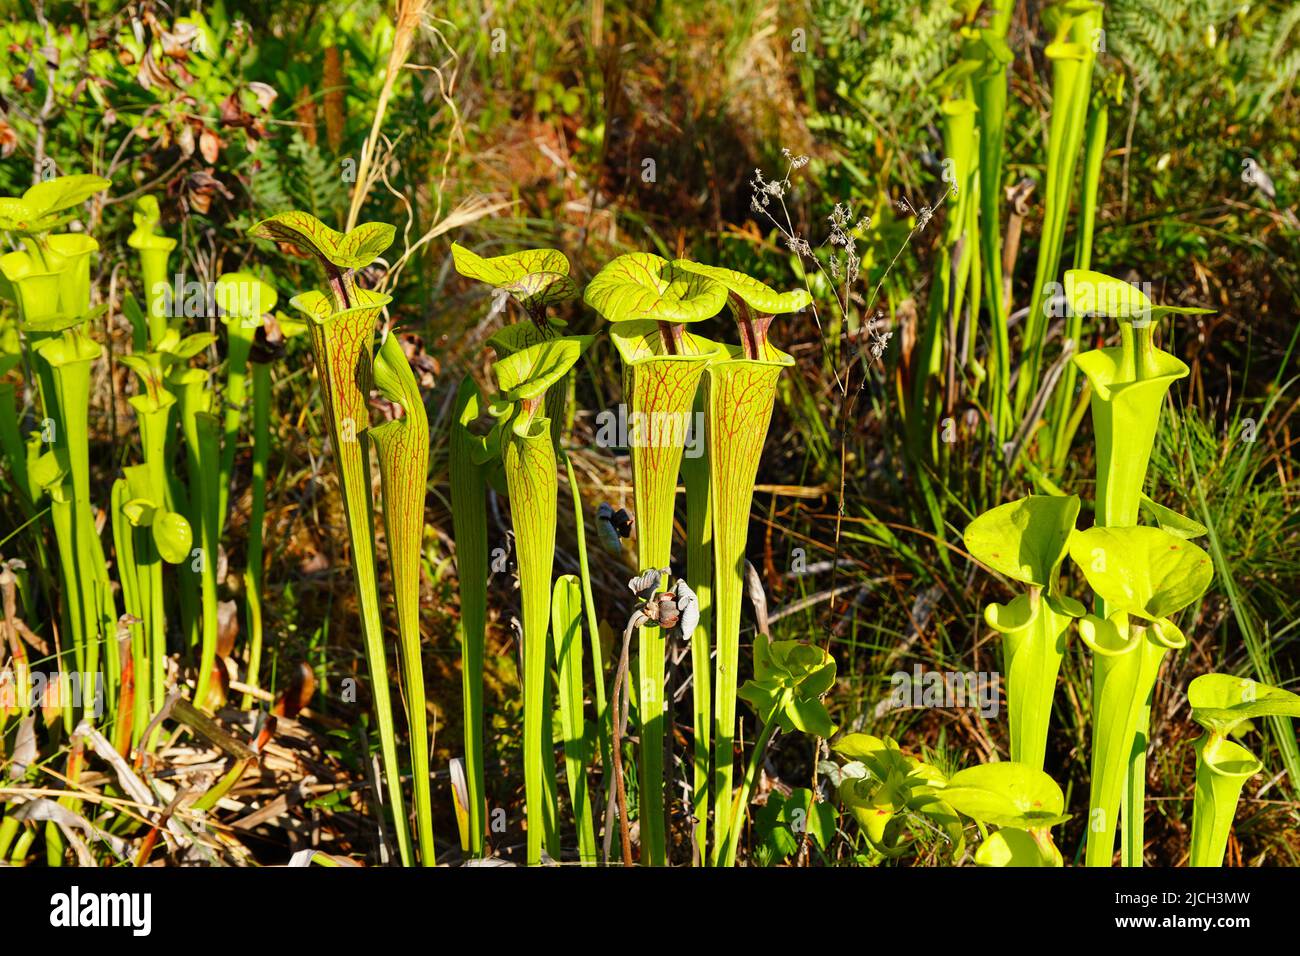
341, 344
528, 458
402, 446
1034, 631
699, 577
659, 391
243, 299
469, 526
1072, 64
1126, 661
1222, 769
738, 399
566, 629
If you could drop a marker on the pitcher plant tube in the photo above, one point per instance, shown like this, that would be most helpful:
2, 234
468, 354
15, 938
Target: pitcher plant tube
531, 474
1027, 541
1225, 706
341, 323
739, 392
1143, 575
1076, 25
402, 444
1128, 386
649, 301
154, 249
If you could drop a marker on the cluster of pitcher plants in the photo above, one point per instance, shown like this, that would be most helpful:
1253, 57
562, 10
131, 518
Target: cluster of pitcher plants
1140, 575
112, 662
142, 620
511, 442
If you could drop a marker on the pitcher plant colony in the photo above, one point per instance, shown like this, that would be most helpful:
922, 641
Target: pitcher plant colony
1100, 578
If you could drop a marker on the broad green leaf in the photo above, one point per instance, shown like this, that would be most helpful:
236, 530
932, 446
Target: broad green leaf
641, 285
801, 813
810, 716
757, 295
353, 250
1143, 571
1026, 539
1013, 847
1095, 293
535, 277
1007, 794
35, 210
244, 295
173, 536
771, 825
858, 746
1221, 702
1171, 520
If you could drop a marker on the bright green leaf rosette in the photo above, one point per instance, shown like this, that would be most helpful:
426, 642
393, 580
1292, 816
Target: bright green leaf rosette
881, 785
1225, 706
649, 302
1129, 385
1143, 575
790, 679
528, 458
1022, 802
739, 391
1027, 540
